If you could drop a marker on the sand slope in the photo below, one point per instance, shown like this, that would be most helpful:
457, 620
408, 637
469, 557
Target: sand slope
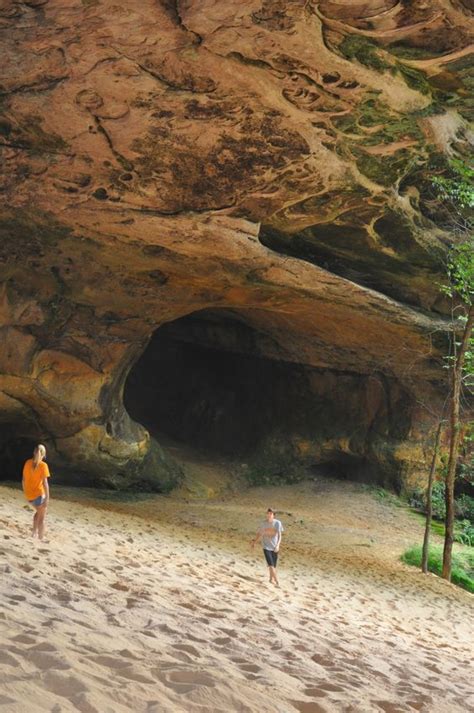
168, 610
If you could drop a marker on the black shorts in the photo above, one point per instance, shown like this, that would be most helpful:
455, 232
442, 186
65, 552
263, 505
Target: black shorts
271, 557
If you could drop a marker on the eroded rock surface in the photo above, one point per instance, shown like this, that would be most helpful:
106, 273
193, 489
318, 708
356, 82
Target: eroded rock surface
271, 159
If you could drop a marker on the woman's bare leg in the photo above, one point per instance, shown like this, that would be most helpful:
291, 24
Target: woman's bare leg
38, 522
41, 524
34, 530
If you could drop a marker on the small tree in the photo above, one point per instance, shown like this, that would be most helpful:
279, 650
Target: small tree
429, 501
461, 272
457, 191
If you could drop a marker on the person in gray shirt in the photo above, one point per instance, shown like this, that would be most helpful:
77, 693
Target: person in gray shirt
269, 533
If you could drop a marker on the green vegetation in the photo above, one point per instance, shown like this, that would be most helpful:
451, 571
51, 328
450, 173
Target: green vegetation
384, 170
417, 500
414, 78
457, 191
406, 52
456, 185
464, 533
373, 123
364, 51
462, 564
463, 509
384, 496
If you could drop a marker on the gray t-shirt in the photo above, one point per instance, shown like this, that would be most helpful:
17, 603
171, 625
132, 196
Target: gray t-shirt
269, 532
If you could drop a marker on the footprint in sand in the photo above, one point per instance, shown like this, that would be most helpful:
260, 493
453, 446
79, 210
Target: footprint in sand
300, 647
249, 667
186, 605
6, 700
309, 707
182, 681
423, 703
323, 660
23, 639
166, 629
222, 640
188, 649
15, 598
46, 661
389, 707
82, 703
111, 619
26, 568
7, 659
133, 675
331, 687
315, 693
112, 662
63, 596
151, 634
62, 684
229, 632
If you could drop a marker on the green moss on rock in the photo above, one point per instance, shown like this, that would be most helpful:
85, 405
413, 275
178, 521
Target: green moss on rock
385, 170
414, 78
360, 48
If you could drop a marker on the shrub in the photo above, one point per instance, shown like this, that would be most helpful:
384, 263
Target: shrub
417, 500
464, 533
465, 507
463, 504
463, 564
437, 499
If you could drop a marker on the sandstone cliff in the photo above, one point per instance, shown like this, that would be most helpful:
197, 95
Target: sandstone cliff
256, 172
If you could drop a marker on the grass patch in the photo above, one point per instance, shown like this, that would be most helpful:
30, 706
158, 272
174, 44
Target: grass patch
462, 570
384, 496
436, 525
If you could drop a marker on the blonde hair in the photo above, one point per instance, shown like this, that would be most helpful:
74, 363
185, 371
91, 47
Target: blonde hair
38, 454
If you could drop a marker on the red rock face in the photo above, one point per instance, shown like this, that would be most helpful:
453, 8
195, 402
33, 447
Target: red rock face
271, 159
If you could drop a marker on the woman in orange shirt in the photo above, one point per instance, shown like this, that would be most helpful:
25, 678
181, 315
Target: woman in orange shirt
36, 488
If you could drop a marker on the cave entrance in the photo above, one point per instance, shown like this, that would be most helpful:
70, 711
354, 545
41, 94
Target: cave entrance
201, 381
206, 381
14, 451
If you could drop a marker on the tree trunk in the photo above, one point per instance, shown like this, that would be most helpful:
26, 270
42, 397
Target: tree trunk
429, 504
455, 435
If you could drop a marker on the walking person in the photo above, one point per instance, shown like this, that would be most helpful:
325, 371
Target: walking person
269, 533
36, 488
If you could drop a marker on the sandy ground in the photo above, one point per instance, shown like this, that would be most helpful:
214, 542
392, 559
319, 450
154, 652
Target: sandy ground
160, 606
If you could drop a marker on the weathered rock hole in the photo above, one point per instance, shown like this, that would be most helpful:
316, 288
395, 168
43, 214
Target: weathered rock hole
208, 381
100, 194
331, 78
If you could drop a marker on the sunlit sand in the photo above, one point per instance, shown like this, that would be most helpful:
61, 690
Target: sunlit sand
159, 605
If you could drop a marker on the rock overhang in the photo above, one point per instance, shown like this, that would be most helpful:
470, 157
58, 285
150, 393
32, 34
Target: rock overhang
266, 158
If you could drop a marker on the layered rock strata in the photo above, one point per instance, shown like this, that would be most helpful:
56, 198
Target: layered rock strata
268, 161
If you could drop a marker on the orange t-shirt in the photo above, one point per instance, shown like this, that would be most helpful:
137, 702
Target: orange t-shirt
33, 479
